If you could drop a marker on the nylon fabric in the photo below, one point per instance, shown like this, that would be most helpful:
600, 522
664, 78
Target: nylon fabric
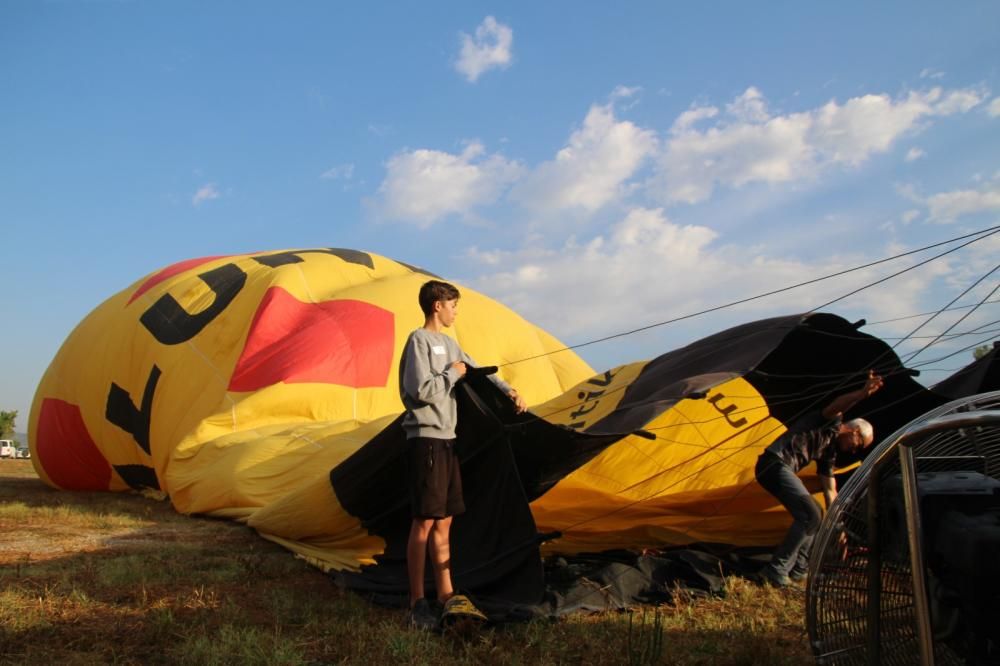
262, 388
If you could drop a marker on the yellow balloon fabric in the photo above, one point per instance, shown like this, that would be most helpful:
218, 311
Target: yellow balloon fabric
232, 383
694, 482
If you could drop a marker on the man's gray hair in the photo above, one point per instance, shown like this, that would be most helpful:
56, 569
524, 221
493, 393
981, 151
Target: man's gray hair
864, 427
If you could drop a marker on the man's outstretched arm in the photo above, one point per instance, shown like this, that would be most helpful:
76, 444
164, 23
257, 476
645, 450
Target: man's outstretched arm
844, 402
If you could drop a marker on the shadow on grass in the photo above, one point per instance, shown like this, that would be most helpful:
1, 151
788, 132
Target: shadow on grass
187, 590
257, 605
33, 492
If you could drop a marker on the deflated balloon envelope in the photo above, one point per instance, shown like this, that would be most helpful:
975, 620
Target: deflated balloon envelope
264, 388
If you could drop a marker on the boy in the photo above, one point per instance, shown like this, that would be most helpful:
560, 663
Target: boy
431, 365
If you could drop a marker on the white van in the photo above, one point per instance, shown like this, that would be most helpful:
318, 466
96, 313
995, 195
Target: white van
8, 448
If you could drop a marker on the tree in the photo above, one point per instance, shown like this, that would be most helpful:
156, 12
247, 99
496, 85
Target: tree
7, 424
981, 351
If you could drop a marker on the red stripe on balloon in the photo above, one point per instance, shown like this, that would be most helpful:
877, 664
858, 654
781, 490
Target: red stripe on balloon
66, 450
345, 342
171, 271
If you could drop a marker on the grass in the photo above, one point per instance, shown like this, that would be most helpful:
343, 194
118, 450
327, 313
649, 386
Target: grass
100, 578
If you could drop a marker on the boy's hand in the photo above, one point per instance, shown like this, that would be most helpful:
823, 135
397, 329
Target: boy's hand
460, 367
519, 405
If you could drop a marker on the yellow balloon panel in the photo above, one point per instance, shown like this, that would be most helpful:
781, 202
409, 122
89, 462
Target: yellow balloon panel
590, 401
693, 482
195, 378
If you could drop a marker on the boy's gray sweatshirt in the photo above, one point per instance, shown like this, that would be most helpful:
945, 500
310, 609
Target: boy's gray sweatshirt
427, 384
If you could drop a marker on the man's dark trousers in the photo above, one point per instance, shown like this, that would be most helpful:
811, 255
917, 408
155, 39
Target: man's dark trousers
778, 479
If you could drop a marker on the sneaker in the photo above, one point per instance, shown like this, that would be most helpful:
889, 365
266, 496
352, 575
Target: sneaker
460, 607
770, 576
422, 616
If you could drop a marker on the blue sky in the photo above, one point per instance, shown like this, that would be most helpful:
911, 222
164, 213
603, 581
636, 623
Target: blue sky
596, 167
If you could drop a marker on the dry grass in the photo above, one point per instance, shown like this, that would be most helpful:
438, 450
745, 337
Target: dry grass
91, 578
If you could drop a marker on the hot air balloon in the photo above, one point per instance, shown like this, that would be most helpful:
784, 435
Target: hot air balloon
262, 388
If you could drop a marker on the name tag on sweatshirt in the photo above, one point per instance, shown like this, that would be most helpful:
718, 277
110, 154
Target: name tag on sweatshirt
437, 350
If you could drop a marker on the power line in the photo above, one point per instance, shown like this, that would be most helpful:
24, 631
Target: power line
957, 352
833, 379
976, 236
924, 314
951, 336
843, 379
813, 404
964, 316
687, 531
818, 395
905, 270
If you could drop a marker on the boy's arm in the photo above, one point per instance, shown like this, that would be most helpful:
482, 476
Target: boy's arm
495, 378
419, 382
509, 391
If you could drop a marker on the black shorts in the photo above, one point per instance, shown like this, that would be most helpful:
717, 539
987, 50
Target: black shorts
435, 480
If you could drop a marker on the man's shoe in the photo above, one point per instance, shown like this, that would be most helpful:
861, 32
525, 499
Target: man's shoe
422, 616
797, 575
770, 576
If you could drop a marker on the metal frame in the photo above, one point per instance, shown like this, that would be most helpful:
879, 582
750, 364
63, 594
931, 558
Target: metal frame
904, 441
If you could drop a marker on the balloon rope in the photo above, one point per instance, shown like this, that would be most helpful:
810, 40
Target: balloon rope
961, 319
976, 236
755, 442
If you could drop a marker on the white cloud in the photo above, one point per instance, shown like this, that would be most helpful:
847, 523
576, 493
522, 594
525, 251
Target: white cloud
909, 216
959, 101
694, 162
692, 116
647, 268
623, 92
592, 169
750, 107
605, 159
489, 49
423, 186
946, 207
341, 171
205, 193
748, 144
928, 73
994, 107
852, 132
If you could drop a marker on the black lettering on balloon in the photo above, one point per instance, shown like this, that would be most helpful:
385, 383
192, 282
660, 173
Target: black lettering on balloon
417, 269
171, 324
726, 411
122, 412
583, 410
294, 257
605, 382
591, 397
138, 476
